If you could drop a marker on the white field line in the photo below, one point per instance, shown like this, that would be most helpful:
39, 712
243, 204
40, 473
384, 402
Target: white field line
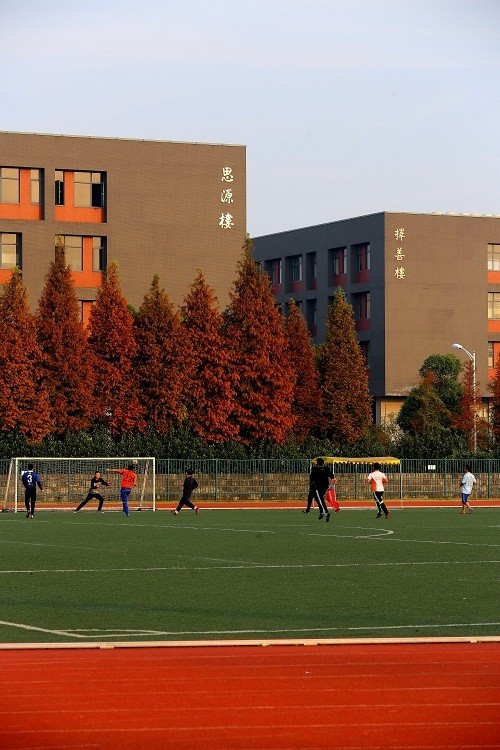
124, 633
250, 566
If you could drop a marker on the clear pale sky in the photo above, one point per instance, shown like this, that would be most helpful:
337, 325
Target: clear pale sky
346, 107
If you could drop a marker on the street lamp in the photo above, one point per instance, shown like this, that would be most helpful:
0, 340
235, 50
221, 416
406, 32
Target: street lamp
472, 357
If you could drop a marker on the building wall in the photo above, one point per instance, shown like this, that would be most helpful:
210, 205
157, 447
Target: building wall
428, 285
164, 202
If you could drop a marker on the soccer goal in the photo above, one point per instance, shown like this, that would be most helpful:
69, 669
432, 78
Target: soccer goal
66, 482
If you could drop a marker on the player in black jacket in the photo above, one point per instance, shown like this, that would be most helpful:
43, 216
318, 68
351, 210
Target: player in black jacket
190, 484
94, 484
319, 481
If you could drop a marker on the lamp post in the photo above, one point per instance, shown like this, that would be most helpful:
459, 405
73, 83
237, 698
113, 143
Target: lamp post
472, 357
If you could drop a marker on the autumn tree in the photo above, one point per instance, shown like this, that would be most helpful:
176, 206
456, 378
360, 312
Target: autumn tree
347, 404
66, 365
210, 394
494, 387
467, 420
444, 372
24, 405
306, 402
112, 340
160, 359
255, 336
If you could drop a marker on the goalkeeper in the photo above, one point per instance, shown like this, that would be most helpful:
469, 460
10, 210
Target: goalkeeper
93, 492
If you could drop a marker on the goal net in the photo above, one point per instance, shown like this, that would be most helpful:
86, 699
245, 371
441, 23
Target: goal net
66, 482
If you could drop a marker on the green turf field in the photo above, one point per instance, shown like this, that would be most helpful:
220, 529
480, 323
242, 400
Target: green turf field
247, 574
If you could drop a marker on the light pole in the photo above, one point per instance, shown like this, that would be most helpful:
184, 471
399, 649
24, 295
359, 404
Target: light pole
472, 357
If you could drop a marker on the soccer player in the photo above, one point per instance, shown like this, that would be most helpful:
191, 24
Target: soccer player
378, 480
319, 481
129, 480
94, 484
466, 485
190, 484
31, 480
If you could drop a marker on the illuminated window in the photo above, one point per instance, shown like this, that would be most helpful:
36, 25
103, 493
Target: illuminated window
36, 186
73, 251
9, 185
10, 250
494, 305
493, 257
89, 189
491, 356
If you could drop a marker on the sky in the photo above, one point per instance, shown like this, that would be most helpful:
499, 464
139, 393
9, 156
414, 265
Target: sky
346, 107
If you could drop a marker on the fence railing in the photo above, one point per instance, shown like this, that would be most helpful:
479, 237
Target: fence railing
226, 480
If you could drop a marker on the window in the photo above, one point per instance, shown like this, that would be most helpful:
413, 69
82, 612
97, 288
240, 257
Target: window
36, 186
362, 256
340, 261
10, 250
311, 314
491, 357
9, 185
89, 189
99, 254
494, 305
296, 268
365, 350
73, 251
362, 306
493, 257
59, 186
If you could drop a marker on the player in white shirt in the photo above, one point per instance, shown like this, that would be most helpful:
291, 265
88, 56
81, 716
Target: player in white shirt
378, 480
466, 485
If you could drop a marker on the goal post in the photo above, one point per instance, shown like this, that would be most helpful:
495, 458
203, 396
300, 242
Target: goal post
66, 482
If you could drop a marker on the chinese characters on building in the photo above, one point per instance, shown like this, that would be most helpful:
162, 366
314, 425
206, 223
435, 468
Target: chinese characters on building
226, 196
399, 271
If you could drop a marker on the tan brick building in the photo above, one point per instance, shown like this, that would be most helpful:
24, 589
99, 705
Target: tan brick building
417, 282
156, 207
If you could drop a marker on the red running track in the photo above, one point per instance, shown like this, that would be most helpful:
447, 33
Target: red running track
411, 696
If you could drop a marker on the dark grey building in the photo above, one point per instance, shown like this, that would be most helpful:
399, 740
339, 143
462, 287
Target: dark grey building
417, 283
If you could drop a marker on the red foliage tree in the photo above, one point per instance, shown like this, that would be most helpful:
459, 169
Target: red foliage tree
347, 404
24, 402
468, 420
307, 401
66, 364
112, 340
258, 345
160, 359
210, 393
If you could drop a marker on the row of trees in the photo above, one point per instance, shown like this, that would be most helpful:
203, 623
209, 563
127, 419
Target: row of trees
243, 381
244, 375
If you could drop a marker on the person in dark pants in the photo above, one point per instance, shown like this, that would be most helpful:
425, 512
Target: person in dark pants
129, 480
31, 480
319, 481
93, 493
190, 484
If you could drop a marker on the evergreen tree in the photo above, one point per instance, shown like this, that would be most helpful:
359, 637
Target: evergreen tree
444, 370
307, 402
66, 364
347, 404
24, 405
111, 329
210, 392
160, 360
423, 412
257, 342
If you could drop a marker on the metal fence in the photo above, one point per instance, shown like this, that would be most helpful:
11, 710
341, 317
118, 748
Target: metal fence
228, 480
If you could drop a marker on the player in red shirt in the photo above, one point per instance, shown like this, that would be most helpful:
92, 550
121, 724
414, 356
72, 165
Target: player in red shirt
129, 480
